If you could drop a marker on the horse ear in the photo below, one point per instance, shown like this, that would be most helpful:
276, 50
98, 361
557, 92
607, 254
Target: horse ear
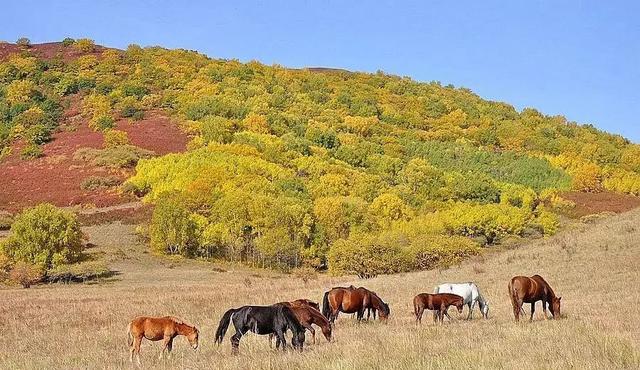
559, 298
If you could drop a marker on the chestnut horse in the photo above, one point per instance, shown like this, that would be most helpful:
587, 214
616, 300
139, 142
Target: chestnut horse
438, 302
305, 302
524, 289
308, 315
352, 300
159, 328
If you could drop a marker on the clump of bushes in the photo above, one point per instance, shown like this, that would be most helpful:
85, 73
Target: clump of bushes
114, 138
85, 45
78, 272
23, 42
45, 236
26, 274
122, 156
31, 151
68, 41
99, 182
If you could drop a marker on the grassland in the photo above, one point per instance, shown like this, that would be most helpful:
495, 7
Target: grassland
593, 267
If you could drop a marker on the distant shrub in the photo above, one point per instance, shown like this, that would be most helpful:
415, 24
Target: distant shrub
99, 182
366, 257
37, 134
5, 220
430, 251
102, 122
23, 42
31, 151
122, 156
85, 45
44, 235
26, 274
68, 41
172, 230
79, 272
114, 138
548, 221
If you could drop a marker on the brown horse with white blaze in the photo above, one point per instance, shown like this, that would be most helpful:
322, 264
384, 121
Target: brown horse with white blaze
159, 328
438, 302
352, 300
523, 289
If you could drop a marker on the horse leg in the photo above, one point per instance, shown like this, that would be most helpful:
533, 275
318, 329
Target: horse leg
533, 309
165, 344
271, 340
135, 349
170, 346
281, 339
313, 333
235, 342
472, 305
419, 315
544, 309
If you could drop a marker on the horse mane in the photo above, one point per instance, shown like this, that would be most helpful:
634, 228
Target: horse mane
290, 318
179, 321
382, 303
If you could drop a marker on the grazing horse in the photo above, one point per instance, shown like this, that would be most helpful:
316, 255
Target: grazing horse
352, 300
159, 328
437, 302
524, 289
308, 315
469, 293
305, 302
261, 320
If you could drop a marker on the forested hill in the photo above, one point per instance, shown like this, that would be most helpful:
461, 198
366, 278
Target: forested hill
359, 172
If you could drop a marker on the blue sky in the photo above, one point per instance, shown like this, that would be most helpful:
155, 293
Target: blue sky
576, 58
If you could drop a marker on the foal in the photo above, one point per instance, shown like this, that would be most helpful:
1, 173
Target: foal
437, 302
158, 328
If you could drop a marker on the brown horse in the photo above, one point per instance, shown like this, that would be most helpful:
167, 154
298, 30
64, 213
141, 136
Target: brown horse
438, 302
352, 300
308, 315
159, 328
305, 302
524, 289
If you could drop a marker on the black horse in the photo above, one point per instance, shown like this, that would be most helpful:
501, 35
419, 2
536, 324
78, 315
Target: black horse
262, 320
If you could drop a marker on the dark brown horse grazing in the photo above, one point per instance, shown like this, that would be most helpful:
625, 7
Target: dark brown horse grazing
308, 315
524, 289
159, 328
438, 302
352, 300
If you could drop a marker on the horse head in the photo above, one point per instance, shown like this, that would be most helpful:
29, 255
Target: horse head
326, 330
555, 307
384, 310
192, 337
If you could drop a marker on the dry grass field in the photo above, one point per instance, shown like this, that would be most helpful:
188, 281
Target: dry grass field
595, 268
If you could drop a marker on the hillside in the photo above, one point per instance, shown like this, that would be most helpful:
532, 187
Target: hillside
593, 267
359, 173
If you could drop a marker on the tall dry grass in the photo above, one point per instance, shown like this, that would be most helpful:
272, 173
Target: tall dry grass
593, 267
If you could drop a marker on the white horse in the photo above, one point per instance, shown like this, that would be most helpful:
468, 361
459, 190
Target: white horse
470, 293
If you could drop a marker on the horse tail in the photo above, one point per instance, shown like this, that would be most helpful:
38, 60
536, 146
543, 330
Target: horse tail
513, 295
224, 324
129, 336
326, 309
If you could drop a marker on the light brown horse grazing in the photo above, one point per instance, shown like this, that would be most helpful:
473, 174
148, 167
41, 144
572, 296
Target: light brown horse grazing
308, 315
438, 302
352, 300
159, 328
524, 289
